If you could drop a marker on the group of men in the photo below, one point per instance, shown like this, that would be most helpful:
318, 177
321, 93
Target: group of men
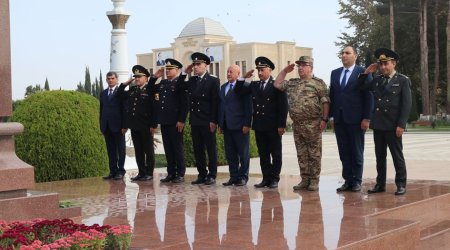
241, 103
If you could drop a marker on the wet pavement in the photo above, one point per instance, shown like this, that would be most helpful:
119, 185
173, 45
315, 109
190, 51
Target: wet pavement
185, 216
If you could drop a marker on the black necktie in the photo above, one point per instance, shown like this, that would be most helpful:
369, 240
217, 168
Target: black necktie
110, 93
262, 86
344, 79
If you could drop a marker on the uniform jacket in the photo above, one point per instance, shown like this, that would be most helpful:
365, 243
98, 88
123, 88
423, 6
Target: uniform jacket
203, 97
270, 106
170, 101
140, 107
354, 103
234, 109
112, 112
392, 102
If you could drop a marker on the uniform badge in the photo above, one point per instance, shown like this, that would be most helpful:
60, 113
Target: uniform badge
156, 96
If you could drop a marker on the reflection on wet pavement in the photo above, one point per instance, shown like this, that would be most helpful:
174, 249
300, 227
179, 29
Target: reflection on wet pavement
185, 216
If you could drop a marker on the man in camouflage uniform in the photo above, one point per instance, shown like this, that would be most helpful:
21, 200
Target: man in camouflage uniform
308, 109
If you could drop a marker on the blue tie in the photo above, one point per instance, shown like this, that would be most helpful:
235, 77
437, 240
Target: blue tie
344, 79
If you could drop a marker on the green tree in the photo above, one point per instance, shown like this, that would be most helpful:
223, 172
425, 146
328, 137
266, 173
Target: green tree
46, 85
87, 81
100, 82
32, 90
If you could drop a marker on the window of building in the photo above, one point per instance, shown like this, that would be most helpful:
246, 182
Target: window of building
214, 69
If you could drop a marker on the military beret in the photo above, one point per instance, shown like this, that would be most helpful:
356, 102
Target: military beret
305, 59
384, 55
139, 70
198, 57
173, 64
263, 62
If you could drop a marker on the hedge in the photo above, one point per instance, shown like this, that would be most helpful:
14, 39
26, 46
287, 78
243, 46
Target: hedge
189, 151
62, 139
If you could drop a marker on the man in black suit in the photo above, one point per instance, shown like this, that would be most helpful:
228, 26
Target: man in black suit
392, 92
113, 127
270, 108
171, 111
235, 115
141, 120
203, 93
350, 109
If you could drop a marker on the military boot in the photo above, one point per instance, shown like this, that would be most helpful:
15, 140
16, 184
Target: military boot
302, 185
313, 185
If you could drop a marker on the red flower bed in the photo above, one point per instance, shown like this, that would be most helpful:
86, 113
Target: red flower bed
62, 234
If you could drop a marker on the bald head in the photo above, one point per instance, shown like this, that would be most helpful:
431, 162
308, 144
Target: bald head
233, 73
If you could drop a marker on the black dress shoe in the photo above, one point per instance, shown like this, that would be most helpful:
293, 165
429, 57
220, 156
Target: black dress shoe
262, 184
377, 189
108, 177
137, 177
228, 183
146, 178
344, 187
240, 182
118, 177
178, 179
273, 184
210, 181
400, 191
168, 178
356, 188
198, 181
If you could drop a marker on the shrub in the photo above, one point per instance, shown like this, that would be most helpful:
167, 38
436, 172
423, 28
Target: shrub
221, 159
62, 139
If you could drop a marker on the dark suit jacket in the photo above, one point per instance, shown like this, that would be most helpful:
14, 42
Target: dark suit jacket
392, 103
354, 103
112, 112
270, 107
170, 101
235, 109
203, 99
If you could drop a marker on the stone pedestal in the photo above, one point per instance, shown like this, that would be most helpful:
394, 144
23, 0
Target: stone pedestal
14, 173
16, 176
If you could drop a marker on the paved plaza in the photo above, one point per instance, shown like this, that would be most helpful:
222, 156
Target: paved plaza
427, 156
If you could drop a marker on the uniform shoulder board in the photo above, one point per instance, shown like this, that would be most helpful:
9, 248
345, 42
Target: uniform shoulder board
317, 79
403, 76
213, 75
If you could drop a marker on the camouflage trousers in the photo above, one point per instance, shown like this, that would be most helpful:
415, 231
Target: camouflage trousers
308, 142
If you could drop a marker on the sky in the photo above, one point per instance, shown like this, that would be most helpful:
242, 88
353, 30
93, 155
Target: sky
57, 39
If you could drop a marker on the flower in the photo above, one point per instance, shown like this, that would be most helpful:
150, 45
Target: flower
43, 234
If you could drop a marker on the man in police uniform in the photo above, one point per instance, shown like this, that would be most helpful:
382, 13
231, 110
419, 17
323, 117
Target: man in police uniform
392, 94
270, 109
141, 121
203, 93
308, 109
171, 114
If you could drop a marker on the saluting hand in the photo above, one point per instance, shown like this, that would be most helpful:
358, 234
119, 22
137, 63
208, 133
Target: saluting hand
289, 68
249, 74
372, 68
128, 81
189, 68
159, 73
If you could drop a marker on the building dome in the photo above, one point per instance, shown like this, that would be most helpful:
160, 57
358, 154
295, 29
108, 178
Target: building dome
204, 26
